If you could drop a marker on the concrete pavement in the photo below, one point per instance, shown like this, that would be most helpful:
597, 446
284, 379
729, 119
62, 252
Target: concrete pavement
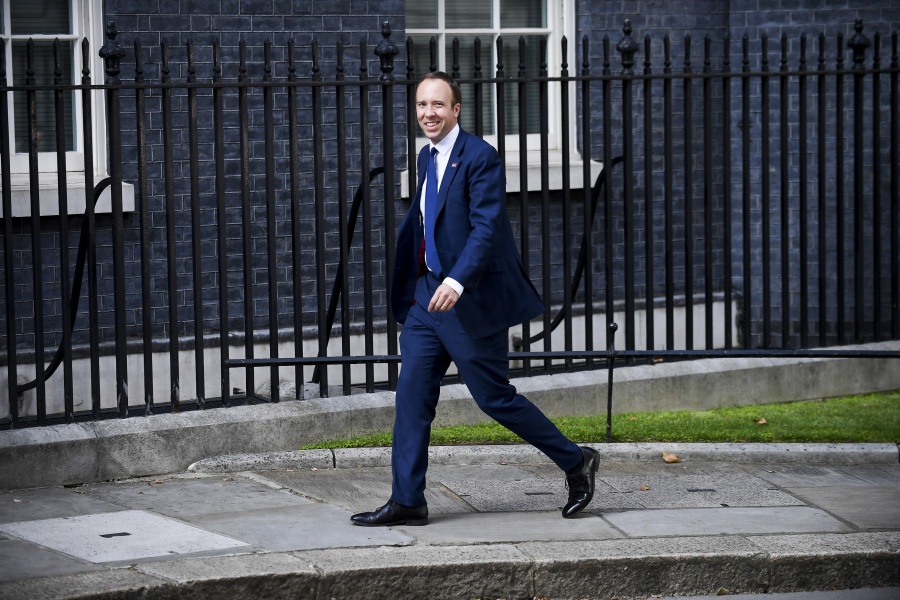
726, 518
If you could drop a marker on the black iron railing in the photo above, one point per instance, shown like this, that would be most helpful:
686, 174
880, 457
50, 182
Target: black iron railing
741, 210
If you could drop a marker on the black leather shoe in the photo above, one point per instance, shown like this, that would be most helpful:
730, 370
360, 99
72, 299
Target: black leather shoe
581, 484
392, 514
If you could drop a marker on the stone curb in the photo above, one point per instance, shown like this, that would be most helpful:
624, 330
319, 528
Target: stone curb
349, 458
596, 569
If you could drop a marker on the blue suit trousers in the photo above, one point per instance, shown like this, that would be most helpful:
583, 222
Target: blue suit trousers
428, 343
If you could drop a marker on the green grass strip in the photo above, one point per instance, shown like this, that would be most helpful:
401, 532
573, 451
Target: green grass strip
858, 419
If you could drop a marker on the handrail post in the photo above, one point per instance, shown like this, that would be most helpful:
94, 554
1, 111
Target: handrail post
610, 365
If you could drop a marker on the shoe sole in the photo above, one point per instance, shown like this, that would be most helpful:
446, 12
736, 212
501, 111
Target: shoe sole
411, 523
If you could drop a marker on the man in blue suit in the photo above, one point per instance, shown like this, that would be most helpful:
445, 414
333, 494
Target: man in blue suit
459, 285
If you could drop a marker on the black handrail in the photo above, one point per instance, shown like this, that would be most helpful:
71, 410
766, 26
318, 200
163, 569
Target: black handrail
582, 255
338, 287
76, 290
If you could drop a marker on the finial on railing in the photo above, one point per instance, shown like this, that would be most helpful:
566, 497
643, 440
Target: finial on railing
111, 53
386, 50
858, 43
627, 47
611, 330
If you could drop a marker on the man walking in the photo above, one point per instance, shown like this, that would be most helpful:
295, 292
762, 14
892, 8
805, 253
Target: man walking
459, 285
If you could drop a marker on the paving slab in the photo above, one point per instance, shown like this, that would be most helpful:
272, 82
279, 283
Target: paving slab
720, 521
507, 496
794, 476
227, 567
684, 490
24, 560
496, 472
119, 536
865, 507
300, 528
261, 576
358, 490
182, 498
658, 466
502, 527
48, 503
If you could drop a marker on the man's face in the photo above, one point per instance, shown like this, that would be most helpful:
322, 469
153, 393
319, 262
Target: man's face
435, 110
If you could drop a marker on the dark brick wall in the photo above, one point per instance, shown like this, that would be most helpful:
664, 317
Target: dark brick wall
654, 19
326, 24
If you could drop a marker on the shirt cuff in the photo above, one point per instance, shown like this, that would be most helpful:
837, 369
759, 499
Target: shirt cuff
454, 284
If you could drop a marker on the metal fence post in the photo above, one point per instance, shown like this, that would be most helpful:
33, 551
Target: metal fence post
112, 54
386, 50
8, 264
858, 43
627, 47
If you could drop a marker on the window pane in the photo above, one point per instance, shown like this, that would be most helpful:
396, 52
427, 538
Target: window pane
523, 13
468, 14
422, 14
511, 60
40, 16
44, 67
468, 111
421, 57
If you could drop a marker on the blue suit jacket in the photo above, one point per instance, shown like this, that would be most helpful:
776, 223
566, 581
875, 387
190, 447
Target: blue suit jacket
474, 241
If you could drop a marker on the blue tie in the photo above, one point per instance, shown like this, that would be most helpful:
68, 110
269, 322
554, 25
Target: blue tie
431, 192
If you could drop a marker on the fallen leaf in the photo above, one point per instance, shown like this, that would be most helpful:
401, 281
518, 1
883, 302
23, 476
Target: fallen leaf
633, 419
722, 592
158, 481
670, 458
761, 422
644, 488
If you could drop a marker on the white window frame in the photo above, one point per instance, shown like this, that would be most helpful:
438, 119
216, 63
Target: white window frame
87, 23
560, 22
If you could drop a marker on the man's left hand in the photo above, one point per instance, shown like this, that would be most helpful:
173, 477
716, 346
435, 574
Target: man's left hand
444, 299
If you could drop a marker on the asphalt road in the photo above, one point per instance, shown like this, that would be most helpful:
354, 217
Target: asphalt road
866, 594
